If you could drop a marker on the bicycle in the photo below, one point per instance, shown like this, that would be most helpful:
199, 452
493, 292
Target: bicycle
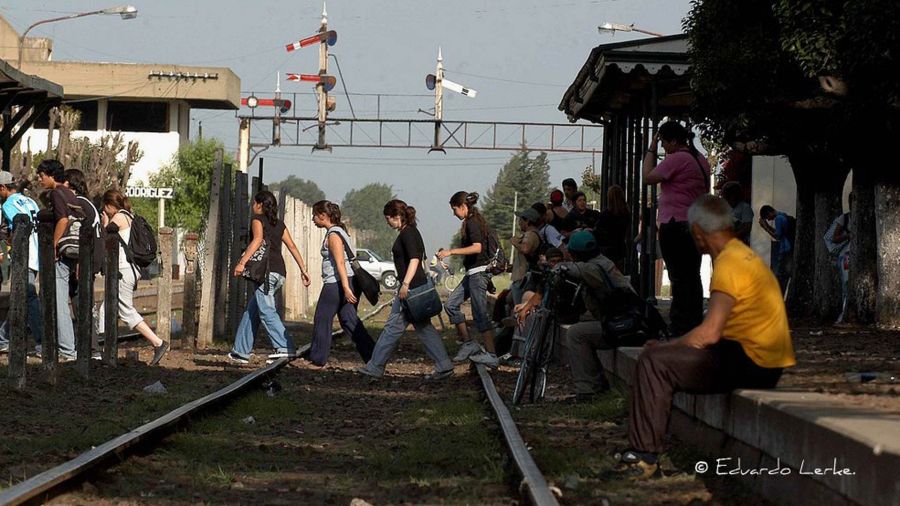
540, 340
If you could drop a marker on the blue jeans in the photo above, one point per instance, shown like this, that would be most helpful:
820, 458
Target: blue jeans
390, 338
66, 329
473, 286
35, 320
332, 302
261, 309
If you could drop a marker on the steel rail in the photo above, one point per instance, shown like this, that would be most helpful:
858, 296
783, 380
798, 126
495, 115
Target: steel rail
535, 486
45, 483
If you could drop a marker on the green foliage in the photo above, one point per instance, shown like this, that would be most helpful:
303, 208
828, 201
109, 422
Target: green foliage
530, 177
304, 189
742, 79
857, 41
189, 173
363, 209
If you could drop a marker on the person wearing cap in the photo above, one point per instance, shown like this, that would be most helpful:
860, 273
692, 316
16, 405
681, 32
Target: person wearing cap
550, 236
526, 247
557, 212
743, 341
14, 204
596, 272
570, 188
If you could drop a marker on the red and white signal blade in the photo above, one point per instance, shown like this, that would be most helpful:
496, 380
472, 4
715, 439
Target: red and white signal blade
328, 81
329, 37
462, 90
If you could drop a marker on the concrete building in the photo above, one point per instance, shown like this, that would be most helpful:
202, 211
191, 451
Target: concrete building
148, 103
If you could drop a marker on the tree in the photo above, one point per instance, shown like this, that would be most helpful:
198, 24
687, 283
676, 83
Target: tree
847, 47
529, 177
304, 189
752, 95
190, 173
364, 210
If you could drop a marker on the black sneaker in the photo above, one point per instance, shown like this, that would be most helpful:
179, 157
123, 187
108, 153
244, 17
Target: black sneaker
159, 352
237, 359
638, 465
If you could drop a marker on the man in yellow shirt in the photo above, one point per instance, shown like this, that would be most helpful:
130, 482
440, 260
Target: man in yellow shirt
743, 342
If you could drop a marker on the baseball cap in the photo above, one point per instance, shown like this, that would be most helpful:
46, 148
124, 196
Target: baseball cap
556, 197
530, 215
582, 241
5, 178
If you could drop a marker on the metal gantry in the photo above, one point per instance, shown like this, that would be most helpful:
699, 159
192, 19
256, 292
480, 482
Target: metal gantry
420, 134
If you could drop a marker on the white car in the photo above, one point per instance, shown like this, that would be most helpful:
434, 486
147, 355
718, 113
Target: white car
380, 269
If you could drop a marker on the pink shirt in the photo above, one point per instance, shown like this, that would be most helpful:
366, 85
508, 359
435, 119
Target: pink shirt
682, 184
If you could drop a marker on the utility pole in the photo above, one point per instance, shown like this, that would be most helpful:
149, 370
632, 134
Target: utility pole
321, 93
438, 98
512, 249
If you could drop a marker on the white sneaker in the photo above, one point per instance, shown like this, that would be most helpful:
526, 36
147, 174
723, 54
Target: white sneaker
468, 349
486, 359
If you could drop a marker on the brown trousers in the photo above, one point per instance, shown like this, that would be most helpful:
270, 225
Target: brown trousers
665, 369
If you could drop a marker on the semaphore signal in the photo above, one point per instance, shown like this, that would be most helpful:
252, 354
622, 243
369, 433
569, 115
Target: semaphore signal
438, 83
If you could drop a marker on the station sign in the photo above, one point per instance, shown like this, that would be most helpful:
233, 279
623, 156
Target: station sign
149, 193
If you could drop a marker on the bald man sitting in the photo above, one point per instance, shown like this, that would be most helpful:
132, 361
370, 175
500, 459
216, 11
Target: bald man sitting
743, 342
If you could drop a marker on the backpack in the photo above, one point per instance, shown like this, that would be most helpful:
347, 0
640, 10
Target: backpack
67, 246
499, 262
835, 247
630, 320
141, 248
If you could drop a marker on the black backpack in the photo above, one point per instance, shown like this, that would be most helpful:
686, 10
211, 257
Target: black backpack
499, 262
141, 248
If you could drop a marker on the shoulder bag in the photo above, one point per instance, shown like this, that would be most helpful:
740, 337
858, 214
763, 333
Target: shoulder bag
423, 302
257, 267
363, 282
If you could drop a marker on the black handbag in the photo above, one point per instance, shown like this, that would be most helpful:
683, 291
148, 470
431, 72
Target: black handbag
363, 282
256, 269
423, 302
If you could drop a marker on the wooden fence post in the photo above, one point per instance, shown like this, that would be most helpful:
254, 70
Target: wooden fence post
189, 301
223, 277
164, 293
111, 296
208, 278
237, 249
47, 260
84, 309
18, 301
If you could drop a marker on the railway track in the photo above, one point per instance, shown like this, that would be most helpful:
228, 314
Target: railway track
40, 488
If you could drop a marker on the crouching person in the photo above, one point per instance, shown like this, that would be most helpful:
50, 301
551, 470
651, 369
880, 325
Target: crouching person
604, 291
743, 342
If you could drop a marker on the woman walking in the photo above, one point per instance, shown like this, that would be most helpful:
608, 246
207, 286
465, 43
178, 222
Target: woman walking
408, 252
117, 210
473, 234
337, 297
269, 232
684, 176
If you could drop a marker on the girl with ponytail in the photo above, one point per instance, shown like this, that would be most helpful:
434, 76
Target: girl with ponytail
337, 297
266, 227
409, 254
473, 248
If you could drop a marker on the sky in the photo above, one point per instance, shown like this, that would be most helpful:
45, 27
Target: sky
519, 55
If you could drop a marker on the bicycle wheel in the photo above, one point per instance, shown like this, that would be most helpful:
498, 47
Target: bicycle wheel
451, 282
542, 365
525, 378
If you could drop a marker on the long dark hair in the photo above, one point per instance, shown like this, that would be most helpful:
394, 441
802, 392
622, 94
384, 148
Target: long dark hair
615, 196
469, 199
116, 199
330, 209
399, 208
76, 181
675, 131
269, 206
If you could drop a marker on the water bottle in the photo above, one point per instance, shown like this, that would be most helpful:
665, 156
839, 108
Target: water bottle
868, 377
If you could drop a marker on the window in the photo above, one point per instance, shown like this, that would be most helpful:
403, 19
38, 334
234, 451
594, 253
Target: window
88, 112
362, 256
137, 116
